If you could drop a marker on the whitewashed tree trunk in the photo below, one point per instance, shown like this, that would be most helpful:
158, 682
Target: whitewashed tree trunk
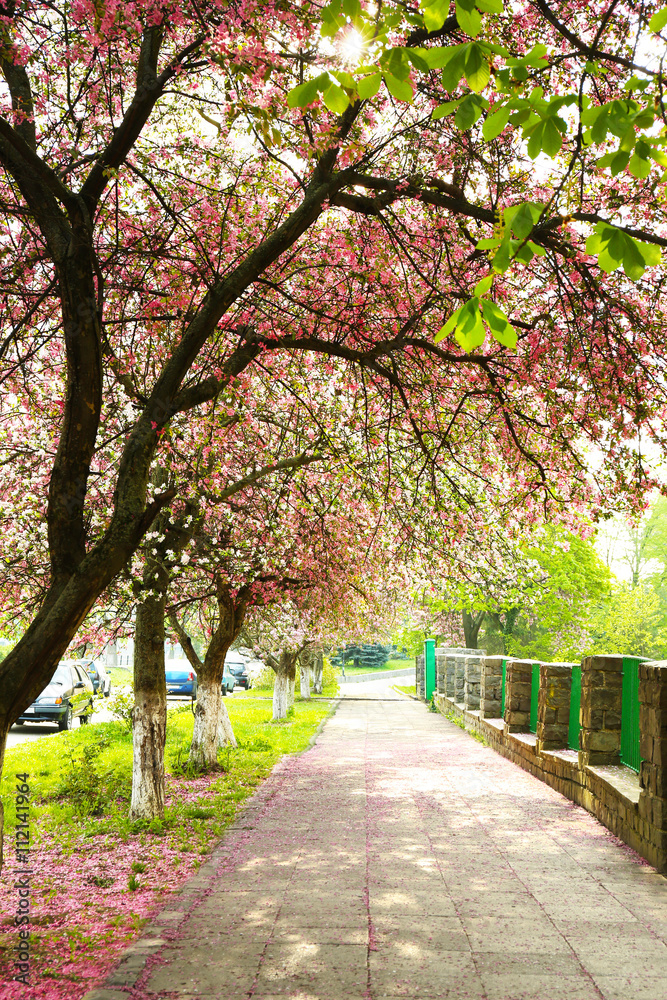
148, 738
318, 669
290, 688
149, 717
305, 680
280, 695
225, 731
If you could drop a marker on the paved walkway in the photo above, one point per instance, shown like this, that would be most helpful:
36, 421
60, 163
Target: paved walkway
401, 858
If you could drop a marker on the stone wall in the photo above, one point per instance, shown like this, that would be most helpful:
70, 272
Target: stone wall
472, 679
553, 705
420, 679
490, 687
601, 686
633, 806
518, 684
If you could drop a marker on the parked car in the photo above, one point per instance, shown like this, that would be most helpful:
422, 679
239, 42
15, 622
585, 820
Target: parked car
239, 669
228, 681
181, 678
93, 672
69, 695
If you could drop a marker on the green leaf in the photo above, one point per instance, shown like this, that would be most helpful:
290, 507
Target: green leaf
483, 285
523, 218
499, 325
306, 93
470, 331
469, 112
497, 122
400, 89
469, 18
651, 253
476, 68
335, 99
417, 60
659, 20
545, 136
501, 260
619, 162
368, 86
352, 8
450, 325
435, 15
453, 71
439, 57
445, 109
488, 243
634, 264
395, 62
639, 167
490, 6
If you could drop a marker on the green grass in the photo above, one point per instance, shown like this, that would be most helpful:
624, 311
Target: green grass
409, 689
389, 665
80, 781
120, 677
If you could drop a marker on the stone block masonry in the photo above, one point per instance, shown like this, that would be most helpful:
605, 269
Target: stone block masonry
633, 806
472, 679
518, 685
553, 706
653, 753
490, 687
601, 692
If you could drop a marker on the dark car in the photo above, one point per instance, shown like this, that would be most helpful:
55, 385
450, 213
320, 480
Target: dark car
181, 679
69, 695
239, 671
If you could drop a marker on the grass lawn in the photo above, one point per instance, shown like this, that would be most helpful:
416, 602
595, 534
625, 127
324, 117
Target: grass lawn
97, 876
410, 689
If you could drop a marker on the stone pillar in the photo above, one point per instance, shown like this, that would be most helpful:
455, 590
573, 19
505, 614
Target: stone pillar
450, 675
518, 683
553, 706
459, 678
472, 674
419, 676
653, 752
441, 671
601, 686
490, 687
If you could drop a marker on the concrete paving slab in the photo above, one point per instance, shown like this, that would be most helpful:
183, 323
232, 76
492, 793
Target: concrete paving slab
400, 858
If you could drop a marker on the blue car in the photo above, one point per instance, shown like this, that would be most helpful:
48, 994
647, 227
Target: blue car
181, 679
228, 681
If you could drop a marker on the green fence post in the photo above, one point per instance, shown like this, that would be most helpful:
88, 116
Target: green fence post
630, 713
575, 707
429, 668
534, 692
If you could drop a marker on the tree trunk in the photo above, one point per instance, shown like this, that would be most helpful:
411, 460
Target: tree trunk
291, 685
318, 668
149, 720
283, 688
305, 661
471, 626
508, 628
213, 727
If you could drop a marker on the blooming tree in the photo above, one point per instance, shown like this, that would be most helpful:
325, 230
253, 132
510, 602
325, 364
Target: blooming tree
150, 263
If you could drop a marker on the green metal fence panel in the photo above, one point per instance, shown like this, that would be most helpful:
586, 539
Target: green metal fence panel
502, 689
575, 707
630, 713
534, 693
429, 668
